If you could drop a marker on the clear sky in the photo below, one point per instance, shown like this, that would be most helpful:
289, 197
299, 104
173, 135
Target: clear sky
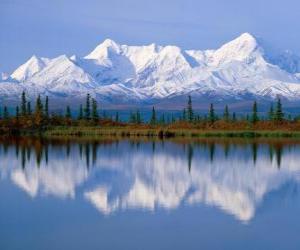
53, 27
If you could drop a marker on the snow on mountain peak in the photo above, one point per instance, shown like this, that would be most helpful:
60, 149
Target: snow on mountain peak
242, 48
242, 67
28, 69
103, 49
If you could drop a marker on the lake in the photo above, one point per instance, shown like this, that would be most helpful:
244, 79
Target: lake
139, 194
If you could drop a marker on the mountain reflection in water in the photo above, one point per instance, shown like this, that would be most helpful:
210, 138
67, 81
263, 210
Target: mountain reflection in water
235, 176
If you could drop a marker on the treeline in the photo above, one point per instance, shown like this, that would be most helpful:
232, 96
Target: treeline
87, 114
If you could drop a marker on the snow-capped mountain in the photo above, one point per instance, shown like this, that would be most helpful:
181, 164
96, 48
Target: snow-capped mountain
240, 70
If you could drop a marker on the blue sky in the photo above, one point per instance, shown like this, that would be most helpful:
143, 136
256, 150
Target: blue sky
53, 27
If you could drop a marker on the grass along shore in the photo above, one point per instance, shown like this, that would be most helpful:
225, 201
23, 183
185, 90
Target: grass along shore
162, 132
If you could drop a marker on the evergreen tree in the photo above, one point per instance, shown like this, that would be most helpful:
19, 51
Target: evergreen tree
226, 114
254, 117
278, 116
68, 113
29, 111
95, 114
138, 117
117, 117
23, 104
190, 113
47, 107
153, 117
234, 117
271, 113
87, 110
80, 115
39, 105
211, 114
132, 117
184, 118
5, 113
162, 119
17, 112
38, 114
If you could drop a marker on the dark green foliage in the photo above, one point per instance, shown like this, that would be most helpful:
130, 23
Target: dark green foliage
39, 105
226, 114
23, 104
162, 119
68, 113
117, 117
138, 117
80, 114
279, 115
153, 117
184, 116
17, 112
95, 115
271, 113
29, 111
190, 112
47, 107
211, 114
233, 117
5, 113
87, 109
254, 116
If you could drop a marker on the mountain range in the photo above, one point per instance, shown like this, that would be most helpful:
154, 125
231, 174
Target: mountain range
117, 75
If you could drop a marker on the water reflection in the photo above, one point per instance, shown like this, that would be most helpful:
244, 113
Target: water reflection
112, 175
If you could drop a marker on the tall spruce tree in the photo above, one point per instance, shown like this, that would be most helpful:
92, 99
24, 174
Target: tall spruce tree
184, 116
95, 114
23, 104
28, 109
47, 107
271, 113
87, 110
5, 113
117, 117
279, 115
17, 112
138, 117
211, 114
68, 112
234, 117
190, 112
80, 114
38, 113
153, 117
254, 116
226, 114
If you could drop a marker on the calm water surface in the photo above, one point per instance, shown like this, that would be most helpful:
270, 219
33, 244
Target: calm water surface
206, 194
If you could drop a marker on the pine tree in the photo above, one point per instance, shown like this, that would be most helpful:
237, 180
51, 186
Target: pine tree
95, 114
68, 113
184, 118
23, 104
38, 114
87, 109
162, 119
211, 114
190, 113
5, 113
271, 113
254, 117
29, 111
234, 117
47, 107
138, 117
132, 117
80, 115
153, 117
226, 114
17, 112
117, 117
39, 105
278, 116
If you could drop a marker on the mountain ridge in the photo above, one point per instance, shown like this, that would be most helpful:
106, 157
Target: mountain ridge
240, 70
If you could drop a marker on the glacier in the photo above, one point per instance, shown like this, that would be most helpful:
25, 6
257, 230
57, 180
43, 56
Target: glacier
120, 75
